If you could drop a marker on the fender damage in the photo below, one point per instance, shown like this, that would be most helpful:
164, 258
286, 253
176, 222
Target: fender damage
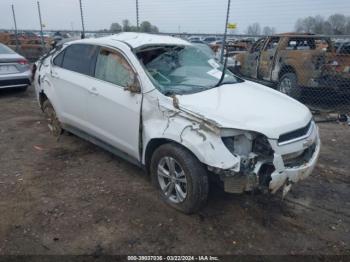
245, 168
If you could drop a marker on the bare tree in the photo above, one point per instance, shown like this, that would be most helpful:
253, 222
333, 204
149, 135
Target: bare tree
154, 29
254, 29
146, 26
267, 30
347, 27
335, 24
319, 23
338, 23
126, 25
115, 27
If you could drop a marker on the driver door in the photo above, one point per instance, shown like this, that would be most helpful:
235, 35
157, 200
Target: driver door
114, 112
267, 59
251, 65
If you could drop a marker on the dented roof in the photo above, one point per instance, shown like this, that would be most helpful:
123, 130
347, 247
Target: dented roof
141, 39
136, 40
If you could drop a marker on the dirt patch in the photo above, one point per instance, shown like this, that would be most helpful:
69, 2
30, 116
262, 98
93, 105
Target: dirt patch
71, 197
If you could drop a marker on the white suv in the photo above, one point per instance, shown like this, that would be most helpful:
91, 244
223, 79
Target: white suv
155, 100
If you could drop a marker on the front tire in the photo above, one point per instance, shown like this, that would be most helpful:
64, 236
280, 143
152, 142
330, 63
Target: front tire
288, 85
181, 179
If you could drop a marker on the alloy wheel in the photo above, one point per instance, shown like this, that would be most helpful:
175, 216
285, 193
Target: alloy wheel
172, 179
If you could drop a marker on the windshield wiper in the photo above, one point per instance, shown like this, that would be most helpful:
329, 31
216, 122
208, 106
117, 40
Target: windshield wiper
169, 93
183, 92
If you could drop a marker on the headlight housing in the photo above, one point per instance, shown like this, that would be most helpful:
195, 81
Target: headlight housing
248, 142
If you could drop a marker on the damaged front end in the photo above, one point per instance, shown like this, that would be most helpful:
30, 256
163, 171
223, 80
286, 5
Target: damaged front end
231, 128
269, 164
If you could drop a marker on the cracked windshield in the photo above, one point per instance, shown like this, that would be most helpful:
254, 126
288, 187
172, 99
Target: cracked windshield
183, 69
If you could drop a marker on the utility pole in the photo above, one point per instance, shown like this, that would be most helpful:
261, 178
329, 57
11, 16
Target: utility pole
225, 34
82, 20
14, 20
41, 26
137, 15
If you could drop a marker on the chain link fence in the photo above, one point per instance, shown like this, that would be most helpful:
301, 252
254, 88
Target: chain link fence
312, 68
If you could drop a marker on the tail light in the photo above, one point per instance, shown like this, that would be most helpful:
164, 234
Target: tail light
23, 62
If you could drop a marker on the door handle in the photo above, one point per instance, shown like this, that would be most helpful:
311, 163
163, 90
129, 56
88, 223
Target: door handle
93, 91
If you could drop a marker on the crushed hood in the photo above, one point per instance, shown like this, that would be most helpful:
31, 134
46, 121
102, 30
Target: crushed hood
248, 106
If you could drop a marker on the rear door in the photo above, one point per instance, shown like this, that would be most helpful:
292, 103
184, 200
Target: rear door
267, 58
113, 112
252, 59
71, 75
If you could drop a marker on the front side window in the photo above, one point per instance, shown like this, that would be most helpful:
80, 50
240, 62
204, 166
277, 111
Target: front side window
258, 45
113, 67
272, 44
80, 58
183, 69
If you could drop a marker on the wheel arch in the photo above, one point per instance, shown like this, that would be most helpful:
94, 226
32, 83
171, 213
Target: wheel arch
155, 143
286, 69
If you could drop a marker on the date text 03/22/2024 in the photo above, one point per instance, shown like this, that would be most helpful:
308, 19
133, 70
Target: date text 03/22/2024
173, 258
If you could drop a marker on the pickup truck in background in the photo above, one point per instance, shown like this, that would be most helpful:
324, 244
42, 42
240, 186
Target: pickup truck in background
337, 70
289, 62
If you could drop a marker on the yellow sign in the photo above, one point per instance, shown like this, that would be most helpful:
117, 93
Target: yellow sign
231, 25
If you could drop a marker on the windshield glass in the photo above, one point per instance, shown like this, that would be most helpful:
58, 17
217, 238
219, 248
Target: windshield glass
183, 69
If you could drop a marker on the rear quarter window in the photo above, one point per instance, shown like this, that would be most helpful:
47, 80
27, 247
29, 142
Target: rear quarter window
58, 59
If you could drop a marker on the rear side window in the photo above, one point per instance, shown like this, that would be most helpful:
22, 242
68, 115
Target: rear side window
305, 43
112, 67
58, 59
345, 49
80, 58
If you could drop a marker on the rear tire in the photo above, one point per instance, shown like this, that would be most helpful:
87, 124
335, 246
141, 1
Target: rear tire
53, 122
181, 179
288, 85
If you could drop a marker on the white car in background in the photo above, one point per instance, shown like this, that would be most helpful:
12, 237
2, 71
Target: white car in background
155, 100
15, 70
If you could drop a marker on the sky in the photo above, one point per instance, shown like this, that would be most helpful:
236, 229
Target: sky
192, 16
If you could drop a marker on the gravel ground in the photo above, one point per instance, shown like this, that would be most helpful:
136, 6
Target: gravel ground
71, 197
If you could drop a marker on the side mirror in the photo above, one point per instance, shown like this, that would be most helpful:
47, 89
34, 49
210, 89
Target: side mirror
135, 86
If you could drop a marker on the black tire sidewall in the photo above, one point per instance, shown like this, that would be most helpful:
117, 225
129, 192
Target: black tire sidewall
296, 90
196, 175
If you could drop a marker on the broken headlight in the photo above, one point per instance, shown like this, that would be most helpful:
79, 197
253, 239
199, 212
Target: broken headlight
240, 144
261, 146
246, 143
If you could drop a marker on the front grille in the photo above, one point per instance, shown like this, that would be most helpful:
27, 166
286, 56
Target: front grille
294, 134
